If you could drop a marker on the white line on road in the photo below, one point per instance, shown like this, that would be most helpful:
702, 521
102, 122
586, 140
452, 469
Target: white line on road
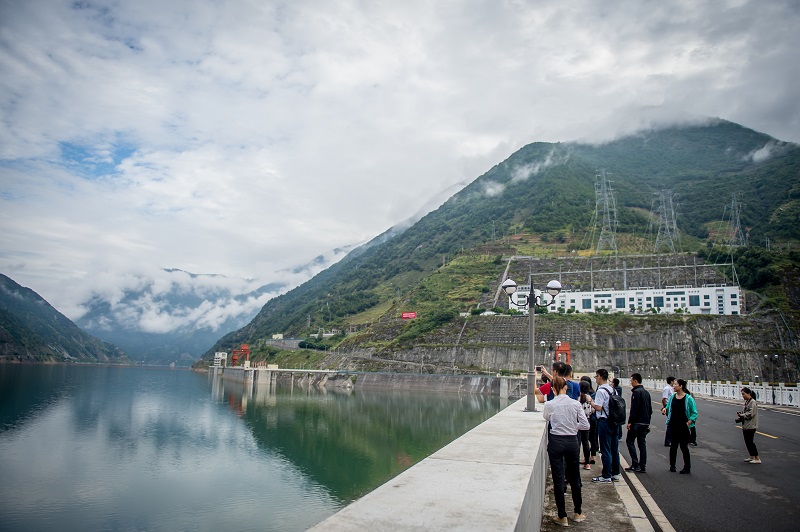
658, 516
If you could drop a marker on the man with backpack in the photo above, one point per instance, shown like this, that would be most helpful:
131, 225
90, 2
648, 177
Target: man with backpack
610, 408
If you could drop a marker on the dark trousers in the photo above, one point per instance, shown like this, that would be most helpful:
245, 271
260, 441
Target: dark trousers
593, 441
583, 438
693, 435
564, 454
749, 434
609, 447
680, 437
667, 441
638, 434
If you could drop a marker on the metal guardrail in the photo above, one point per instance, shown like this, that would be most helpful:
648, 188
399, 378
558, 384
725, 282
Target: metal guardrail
780, 395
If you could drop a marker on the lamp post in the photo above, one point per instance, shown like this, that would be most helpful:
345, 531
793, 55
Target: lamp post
532, 301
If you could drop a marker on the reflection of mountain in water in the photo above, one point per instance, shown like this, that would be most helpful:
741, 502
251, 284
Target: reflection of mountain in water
22, 399
353, 442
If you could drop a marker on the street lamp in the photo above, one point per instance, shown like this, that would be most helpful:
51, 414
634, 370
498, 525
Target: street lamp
533, 300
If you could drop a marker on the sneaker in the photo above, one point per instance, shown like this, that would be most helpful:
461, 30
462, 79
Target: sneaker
615, 478
579, 518
562, 521
591, 461
748, 459
684, 472
587, 467
672, 469
693, 443
602, 480
755, 461
642, 470
633, 468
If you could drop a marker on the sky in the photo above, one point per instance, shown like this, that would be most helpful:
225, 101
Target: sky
246, 138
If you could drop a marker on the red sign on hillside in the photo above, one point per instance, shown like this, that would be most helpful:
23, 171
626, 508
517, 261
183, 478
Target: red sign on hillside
408, 315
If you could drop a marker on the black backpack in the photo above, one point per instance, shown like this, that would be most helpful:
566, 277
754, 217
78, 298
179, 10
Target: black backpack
615, 410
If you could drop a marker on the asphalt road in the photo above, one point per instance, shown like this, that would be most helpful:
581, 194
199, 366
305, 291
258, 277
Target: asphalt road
724, 493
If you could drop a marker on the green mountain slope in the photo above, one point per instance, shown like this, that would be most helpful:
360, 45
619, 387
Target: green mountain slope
541, 201
33, 331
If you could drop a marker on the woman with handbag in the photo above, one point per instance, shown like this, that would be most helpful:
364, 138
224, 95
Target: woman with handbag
748, 417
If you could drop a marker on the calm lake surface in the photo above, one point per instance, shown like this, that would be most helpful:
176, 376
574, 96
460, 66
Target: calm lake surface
110, 448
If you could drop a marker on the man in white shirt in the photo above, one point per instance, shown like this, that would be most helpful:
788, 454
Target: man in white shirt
665, 393
606, 431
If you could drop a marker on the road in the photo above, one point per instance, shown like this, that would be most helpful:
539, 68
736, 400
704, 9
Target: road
723, 492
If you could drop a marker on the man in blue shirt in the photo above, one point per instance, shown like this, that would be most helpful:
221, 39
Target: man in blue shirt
563, 370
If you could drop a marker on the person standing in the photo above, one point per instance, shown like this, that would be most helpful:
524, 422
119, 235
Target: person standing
638, 424
607, 431
665, 393
565, 416
618, 389
594, 443
583, 436
748, 417
681, 412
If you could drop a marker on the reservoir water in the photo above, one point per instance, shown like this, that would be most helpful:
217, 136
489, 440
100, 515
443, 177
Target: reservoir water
114, 448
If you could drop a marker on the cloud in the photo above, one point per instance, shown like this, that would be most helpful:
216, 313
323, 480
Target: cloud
763, 153
247, 138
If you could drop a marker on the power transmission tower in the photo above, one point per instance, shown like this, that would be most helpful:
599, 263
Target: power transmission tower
605, 202
737, 236
667, 226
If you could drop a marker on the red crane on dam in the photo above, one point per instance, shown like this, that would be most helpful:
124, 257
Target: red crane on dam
243, 351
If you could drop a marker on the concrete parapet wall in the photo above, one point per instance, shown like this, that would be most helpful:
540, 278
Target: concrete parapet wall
491, 478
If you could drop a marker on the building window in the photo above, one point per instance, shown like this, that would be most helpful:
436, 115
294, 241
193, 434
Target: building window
658, 301
587, 303
620, 302
694, 301
733, 296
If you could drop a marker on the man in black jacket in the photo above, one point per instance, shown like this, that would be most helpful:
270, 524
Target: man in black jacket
638, 424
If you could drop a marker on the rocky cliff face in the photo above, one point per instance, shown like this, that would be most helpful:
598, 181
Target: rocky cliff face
696, 347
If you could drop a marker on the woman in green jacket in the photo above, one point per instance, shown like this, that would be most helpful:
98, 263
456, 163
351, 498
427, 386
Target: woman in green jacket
681, 411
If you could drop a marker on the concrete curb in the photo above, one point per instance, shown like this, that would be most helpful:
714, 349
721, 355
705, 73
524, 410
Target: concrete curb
634, 509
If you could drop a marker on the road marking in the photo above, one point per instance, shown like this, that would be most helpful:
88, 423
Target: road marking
763, 434
658, 516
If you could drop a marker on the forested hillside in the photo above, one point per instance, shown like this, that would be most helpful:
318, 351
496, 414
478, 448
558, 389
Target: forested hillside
31, 330
541, 202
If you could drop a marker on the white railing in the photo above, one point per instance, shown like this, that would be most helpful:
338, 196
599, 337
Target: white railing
779, 394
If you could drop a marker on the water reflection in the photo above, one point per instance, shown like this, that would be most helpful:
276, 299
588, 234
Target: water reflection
95, 448
352, 441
